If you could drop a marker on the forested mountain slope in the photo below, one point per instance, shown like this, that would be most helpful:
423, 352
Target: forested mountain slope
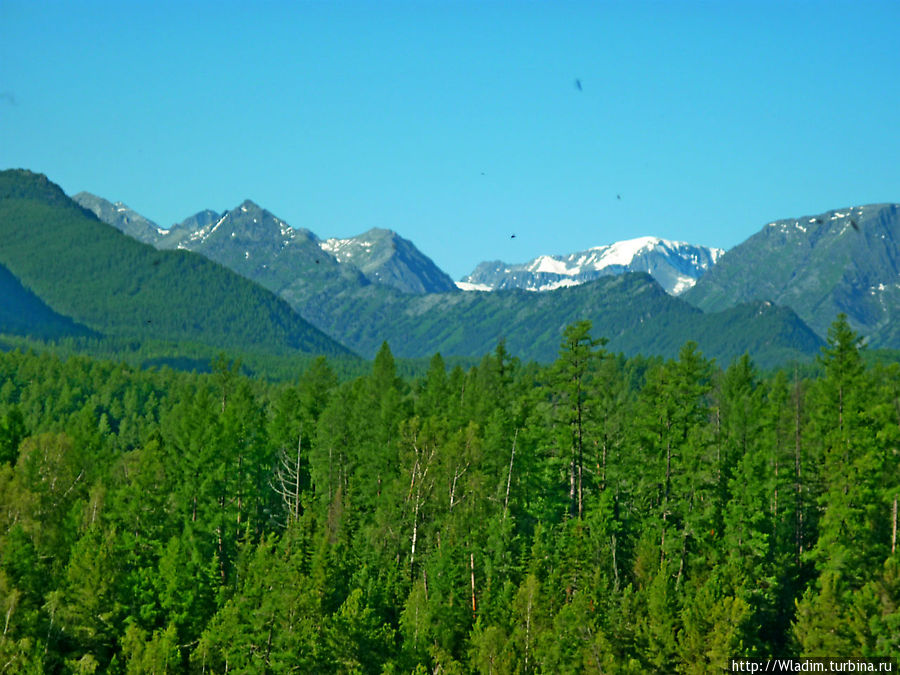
111, 283
632, 311
23, 313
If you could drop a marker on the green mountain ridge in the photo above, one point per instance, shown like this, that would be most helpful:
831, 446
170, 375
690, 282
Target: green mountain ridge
632, 311
104, 279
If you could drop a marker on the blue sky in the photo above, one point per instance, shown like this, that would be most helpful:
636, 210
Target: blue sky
459, 123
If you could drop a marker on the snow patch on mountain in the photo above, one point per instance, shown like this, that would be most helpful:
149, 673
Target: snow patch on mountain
553, 285
623, 252
549, 265
683, 283
465, 286
344, 249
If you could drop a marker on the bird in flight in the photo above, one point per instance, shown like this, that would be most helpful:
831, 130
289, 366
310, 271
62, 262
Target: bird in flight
578, 84
619, 197
512, 236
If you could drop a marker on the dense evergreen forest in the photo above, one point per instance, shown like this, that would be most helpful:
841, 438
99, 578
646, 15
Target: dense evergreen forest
599, 515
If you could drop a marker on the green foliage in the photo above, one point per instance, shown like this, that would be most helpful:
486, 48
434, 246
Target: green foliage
596, 515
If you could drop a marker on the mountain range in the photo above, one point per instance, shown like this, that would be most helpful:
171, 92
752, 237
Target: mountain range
385, 258
246, 277
675, 265
377, 286
262, 247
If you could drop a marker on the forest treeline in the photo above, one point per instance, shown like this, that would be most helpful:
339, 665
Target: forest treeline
596, 515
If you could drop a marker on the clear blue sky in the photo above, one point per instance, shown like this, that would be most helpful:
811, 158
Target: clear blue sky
459, 123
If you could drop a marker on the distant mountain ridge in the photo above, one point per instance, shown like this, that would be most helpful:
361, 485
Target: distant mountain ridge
120, 216
374, 287
844, 260
383, 257
262, 247
675, 265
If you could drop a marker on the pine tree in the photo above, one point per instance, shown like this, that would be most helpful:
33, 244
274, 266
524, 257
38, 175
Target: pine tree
853, 531
577, 357
676, 468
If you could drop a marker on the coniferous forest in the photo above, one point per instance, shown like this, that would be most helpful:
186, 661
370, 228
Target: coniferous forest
595, 515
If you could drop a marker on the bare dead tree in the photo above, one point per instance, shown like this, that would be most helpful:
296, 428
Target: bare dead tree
457, 474
287, 479
472, 577
418, 491
512, 456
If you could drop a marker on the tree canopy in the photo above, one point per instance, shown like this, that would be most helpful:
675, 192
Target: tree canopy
599, 514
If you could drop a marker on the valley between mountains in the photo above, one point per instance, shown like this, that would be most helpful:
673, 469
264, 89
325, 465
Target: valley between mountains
378, 286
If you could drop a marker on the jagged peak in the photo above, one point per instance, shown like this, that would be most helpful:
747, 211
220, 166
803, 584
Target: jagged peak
249, 205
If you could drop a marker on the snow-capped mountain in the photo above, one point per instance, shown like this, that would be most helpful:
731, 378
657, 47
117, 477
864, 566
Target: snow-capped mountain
675, 265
